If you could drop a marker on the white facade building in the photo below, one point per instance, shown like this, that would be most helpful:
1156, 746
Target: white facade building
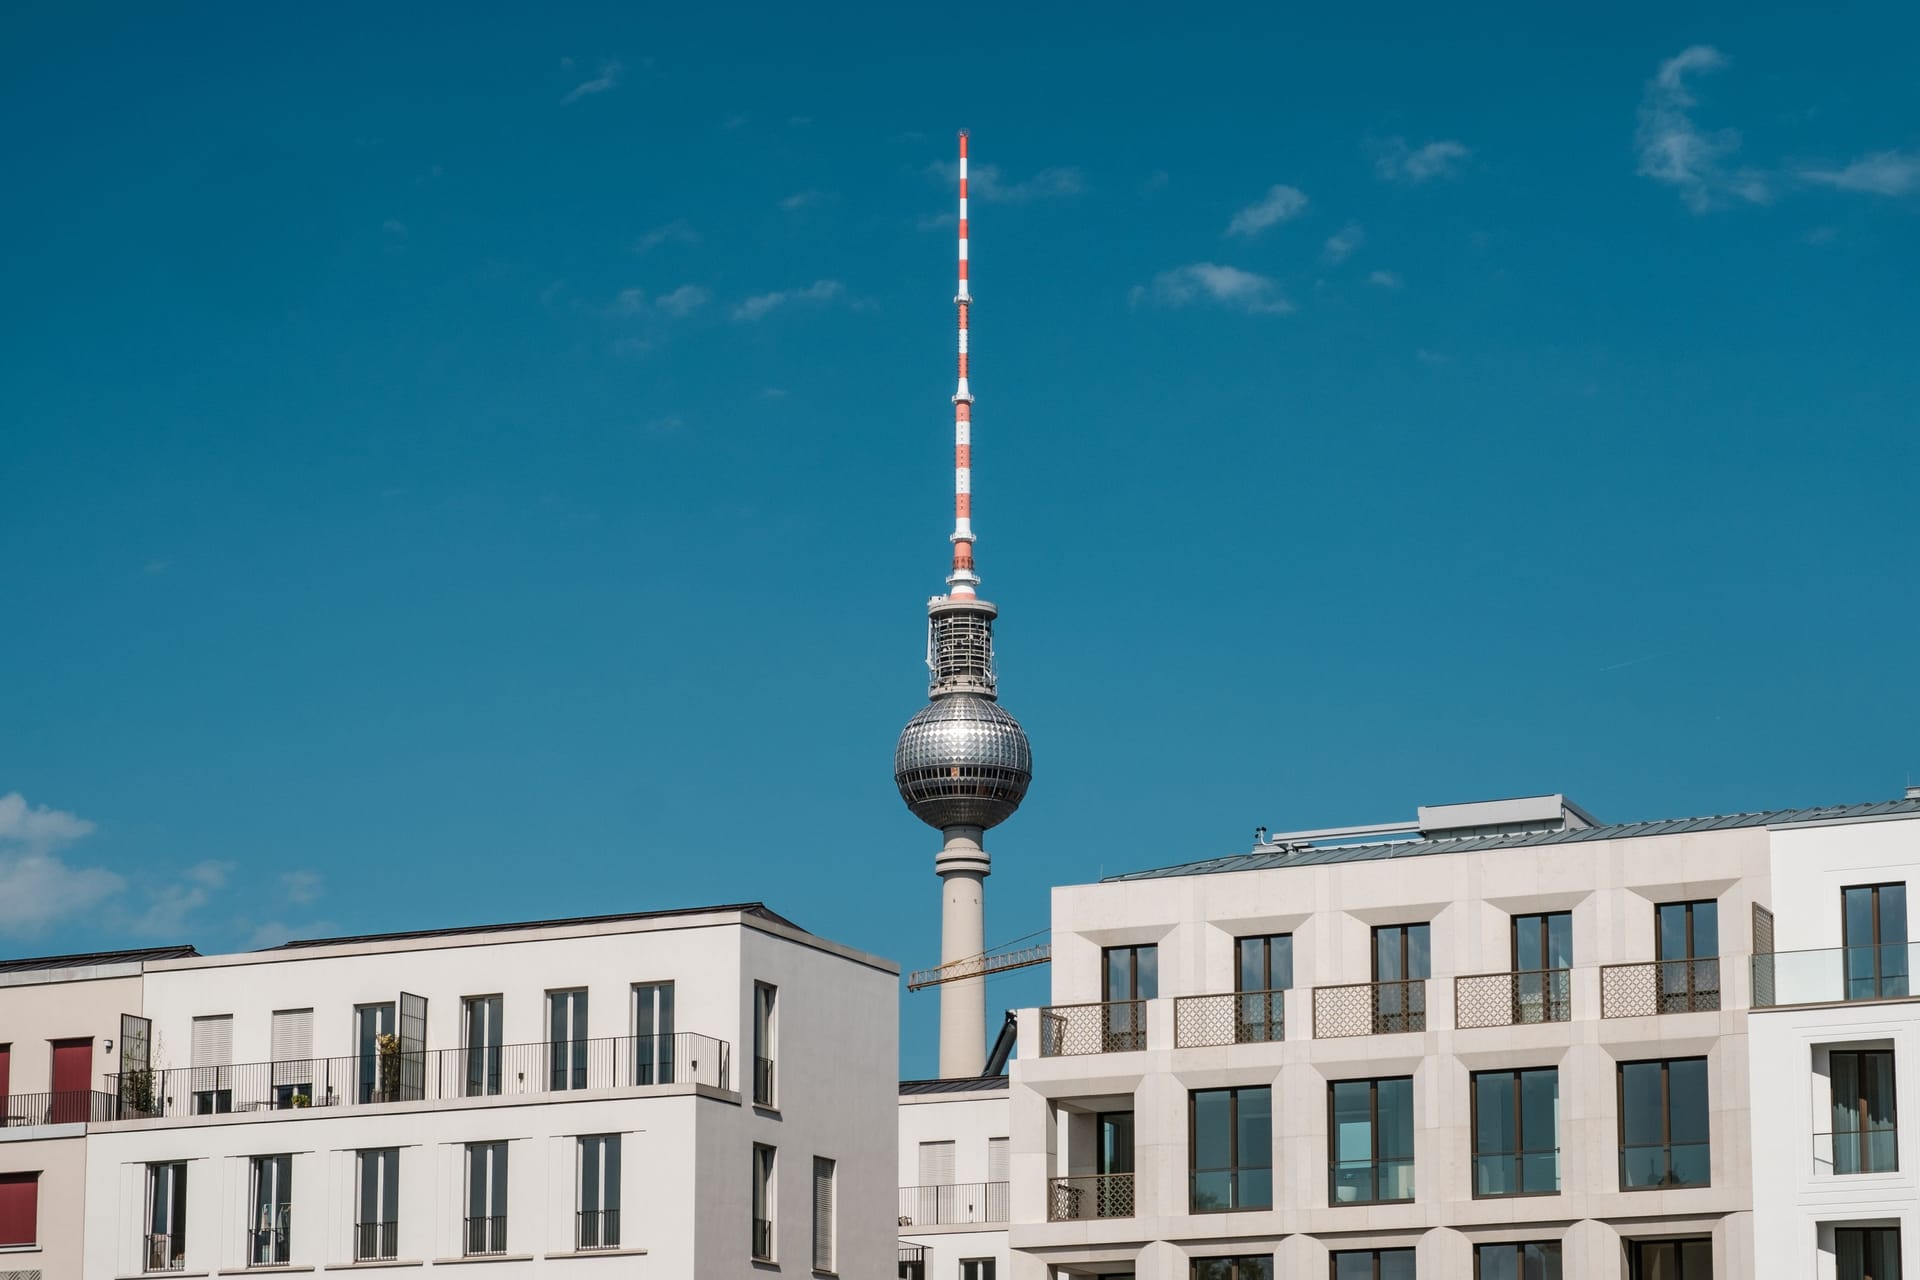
955, 1152
697, 1093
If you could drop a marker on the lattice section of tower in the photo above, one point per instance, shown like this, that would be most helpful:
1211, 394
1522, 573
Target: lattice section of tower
960, 649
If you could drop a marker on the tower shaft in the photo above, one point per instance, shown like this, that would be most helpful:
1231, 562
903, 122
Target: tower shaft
962, 867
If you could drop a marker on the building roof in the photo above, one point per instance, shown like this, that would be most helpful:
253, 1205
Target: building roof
87, 959
756, 909
1414, 847
960, 1084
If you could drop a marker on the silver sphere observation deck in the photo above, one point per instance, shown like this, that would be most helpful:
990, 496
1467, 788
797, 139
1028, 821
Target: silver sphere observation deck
963, 761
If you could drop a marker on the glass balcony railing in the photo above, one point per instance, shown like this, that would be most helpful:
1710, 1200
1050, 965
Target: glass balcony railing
1875, 1149
1834, 975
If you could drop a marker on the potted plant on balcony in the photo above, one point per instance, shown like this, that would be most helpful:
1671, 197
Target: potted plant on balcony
388, 1046
300, 1100
136, 1092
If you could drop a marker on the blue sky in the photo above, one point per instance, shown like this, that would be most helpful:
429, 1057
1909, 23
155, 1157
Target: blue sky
463, 469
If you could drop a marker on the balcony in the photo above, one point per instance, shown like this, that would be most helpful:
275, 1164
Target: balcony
268, 1246
1659, 986
431, 1075
1875, 1149
1090, 1195
1522, 998
1833, 975
953, 1204
486, 1236
376, 1241
1113, 1026
1245, 1017
166, 1252
596, 1229
1370, 1008
68, 1106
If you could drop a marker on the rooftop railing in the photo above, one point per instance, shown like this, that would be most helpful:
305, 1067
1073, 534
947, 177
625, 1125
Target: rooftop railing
1244, 1017
1111, 1026
430, 1075
1370, 1008
1652, 987
1834, 975
1520, 998
66, 1106
953, 1204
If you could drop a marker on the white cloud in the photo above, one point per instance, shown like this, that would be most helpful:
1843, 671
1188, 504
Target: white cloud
761, 304
608, 78
1280, 203
37, 828
1341, 244
38, 888
301, 886
684, 301
1432, 359
1883, 173
675, 232
987, 184
1674, 149
1211, 282
1400, 162
631, 304
1384, 279
802, 199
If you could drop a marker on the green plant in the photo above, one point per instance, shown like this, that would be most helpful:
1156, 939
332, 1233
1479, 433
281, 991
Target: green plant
136, 1091
301, 1100
388, 1046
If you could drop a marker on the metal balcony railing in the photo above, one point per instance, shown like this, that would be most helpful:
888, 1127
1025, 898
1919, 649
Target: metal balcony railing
166, 1252
1112, 1026
1875, 1149
428, 1075
1659, 986
1834, 975
1519, 998
1370, 1008
67, 1106
268, 1246
763, 1239
376, 1241
486, 1236
1244, 1017
1090, 1195
763, 1082
953, 1203
597, 1229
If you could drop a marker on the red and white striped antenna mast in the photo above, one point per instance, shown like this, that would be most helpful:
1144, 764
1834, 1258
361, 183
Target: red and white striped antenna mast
963, 580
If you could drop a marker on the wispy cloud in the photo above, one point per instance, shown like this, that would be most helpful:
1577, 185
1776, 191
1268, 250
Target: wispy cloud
675, 232
1883, 173
684, 301
677, 304
1341, 244
609, 78
1213, 283
1674, 149
761, 304
1279, 204
1432, 359
1400, 161
1383, 279
170, 909
802, 199
301, 886
988, 184
37, 887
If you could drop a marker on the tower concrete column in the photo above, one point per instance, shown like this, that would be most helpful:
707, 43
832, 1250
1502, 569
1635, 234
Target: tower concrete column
963, 867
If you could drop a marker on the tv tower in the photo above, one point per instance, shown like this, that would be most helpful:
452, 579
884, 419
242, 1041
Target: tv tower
962, 764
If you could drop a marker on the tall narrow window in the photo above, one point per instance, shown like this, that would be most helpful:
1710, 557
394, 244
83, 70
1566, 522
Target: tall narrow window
19, 1209
1534, 1260
486, 1198
1663, 1124
653, 1033
376, 1227
822, 1214
272, 1215
1401, 965
1371, 1128
764, 1028
1864, 1135
166, 1241
762, 1203
379, 1046
1688, 937
1670, 1260
1230, 1149
598, 1193
1373, 1264
1257, 1268
1542, 961
1874, 919
212, 1075
1262, 972
292, 1059
1129, 978
567, 1040
996, 1197
1867, 1253
480, 1038
1516, 1132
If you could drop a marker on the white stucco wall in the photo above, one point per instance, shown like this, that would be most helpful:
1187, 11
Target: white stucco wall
968, 1120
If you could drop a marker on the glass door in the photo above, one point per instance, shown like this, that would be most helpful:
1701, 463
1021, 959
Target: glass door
653, 1033
1875, 921
1864, 1132
567, 1039
1263, 972
1113, 1161
379, 1076
1401, 965
1129, 977
1688, 937
1542, 956
480, 1036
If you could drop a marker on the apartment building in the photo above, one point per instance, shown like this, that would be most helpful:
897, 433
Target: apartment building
697, 1093
1503, 1041
955, 1150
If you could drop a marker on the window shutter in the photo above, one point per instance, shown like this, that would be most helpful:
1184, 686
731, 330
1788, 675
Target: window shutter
996, 1159
292, 1046
213, 1047
936, 1164
19, 1208
822, 1214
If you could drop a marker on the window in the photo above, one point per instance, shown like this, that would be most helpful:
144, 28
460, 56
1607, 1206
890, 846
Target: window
997, 1162
978, 1268
379, 1066
1263, 969
567, 1039
212, 1075
653, 1033
1864, 1131
1401, 965
486, 1198
1542, 957
1874, 920
1688, 937
762, 1203
1129, 977
272, 1211
1370, 1124
763, 1032
376, 1228
822, 1214
166, 1217
1671, 1259
1373, 1264
1260, 1268
480, 1037
1867, 1253
1516, 1132
1534, 1260
597, 1191
19, 1209
1230, 1149
1663, 1124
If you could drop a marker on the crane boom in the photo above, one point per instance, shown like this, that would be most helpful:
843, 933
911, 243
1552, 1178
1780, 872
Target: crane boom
981, 965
